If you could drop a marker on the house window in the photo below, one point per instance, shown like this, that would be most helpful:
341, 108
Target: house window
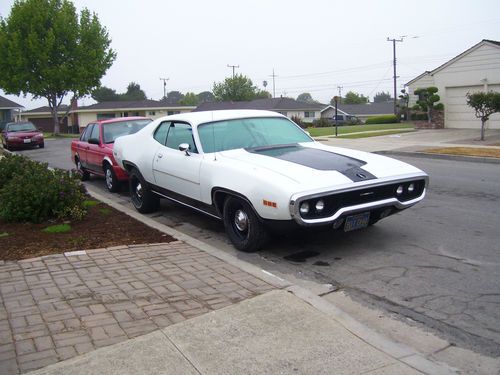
309, 114
173, 113
151, 113
104, 116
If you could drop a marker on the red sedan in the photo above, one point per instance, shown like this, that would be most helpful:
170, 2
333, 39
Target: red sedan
93, 152
20, 135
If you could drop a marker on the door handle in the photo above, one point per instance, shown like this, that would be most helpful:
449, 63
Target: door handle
160, 156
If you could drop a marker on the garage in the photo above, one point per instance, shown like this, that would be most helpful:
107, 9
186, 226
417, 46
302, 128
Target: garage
458, 113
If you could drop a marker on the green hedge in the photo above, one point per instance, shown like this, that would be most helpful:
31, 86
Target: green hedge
382, 119
30, 192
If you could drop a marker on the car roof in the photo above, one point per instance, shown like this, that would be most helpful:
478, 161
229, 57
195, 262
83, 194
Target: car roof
122, 119
197, 118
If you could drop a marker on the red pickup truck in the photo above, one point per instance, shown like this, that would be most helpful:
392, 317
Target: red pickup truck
92, 153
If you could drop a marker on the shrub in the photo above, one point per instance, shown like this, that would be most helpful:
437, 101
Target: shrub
418, 116
439, 106
299, 122
11, 165
33, 193
321, 123
382, 119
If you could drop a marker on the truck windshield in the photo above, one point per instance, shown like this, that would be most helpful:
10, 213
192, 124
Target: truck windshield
114, 130
249, 133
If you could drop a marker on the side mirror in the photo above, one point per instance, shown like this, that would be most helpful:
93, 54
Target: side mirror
184, 147
93, 141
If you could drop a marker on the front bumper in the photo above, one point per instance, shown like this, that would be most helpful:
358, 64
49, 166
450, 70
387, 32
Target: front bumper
20, 143
373, 196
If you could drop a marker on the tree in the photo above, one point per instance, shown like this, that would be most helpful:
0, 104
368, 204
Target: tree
427, 99
205, 96
305, 97
262, 94
484, 104
173, 97
104, 94
190, 99
404, 99
48, 50
382, 97
239, 88
134, 92
354, 98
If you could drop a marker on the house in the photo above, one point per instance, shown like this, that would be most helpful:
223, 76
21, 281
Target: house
76, 118
8, 109
361, 111
308, 112
476, 69
147, 108
41, 117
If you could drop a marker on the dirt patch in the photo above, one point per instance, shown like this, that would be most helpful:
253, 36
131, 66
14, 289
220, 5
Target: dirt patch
103, 226
466, 151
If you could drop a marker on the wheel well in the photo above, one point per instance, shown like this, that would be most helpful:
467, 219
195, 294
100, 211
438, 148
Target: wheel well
104, 162
219, 197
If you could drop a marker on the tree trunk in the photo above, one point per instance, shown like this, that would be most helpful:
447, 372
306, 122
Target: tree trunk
53, 109
483, 123
429, 118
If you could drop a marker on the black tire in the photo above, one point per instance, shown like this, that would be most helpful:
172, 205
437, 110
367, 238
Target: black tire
143, 199
85, 175
112, 183
242, 225
41, 145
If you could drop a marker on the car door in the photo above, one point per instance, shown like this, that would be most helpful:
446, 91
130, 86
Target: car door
174, 170
82, 145
94, 153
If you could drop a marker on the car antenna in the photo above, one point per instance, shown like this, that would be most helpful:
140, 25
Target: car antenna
213, 137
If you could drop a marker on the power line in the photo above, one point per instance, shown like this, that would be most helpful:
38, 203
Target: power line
233, 67
164, 86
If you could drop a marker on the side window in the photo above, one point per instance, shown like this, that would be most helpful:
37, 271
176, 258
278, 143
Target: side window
180, 133
161, 132
86, 134
95, 132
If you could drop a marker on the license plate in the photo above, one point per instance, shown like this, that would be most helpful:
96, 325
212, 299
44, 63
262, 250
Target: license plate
27, 141
357, 221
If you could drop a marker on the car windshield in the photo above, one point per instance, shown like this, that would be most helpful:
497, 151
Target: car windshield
21, 127
249, 133
117, 129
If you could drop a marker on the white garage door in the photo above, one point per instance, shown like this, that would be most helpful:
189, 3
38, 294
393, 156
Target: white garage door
459, 115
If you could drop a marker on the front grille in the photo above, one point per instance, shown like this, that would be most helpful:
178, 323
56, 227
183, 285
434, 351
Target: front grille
334, 202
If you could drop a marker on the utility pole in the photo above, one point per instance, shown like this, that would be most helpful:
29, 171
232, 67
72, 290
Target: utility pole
394, 40
234, 67
164, 86
274, 86
340, 92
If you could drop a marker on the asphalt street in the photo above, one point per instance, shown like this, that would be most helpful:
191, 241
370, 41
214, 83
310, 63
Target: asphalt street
435, 264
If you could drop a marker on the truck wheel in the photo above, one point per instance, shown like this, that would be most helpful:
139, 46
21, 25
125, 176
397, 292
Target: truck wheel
112, 182
242, 225
143, 199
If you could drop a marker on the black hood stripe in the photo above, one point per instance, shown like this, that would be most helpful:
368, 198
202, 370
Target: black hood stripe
318, 159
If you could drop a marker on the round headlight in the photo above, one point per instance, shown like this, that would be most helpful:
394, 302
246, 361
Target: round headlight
304, 208
411, 188
320, 205
399, 191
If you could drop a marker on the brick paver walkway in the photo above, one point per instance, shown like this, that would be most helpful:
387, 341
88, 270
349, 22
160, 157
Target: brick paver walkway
56, 307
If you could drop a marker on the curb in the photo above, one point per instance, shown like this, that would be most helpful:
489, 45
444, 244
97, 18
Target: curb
419, 154
398, 351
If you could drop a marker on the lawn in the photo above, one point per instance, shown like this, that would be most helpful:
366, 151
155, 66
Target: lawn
466, 151
60, 135
375, 133
347, 129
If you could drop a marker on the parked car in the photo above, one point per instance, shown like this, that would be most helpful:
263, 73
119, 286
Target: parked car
345, 120
21, 135
257, 170
92, 153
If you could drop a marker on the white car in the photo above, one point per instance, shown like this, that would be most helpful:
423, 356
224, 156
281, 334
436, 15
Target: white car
257, 170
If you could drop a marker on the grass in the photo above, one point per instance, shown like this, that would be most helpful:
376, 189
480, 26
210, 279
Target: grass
374, 134
4, 234
466, 151
347, 129
58, 228
90, 203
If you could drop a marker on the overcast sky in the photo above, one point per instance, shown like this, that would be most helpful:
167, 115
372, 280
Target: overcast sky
313, 46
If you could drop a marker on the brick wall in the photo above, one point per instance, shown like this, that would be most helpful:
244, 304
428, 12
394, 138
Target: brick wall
437, 121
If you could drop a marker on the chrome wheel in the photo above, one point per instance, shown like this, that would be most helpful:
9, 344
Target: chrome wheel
109, 179
241, 220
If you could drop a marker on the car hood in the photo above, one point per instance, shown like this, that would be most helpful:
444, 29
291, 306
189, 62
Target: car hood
313, 165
